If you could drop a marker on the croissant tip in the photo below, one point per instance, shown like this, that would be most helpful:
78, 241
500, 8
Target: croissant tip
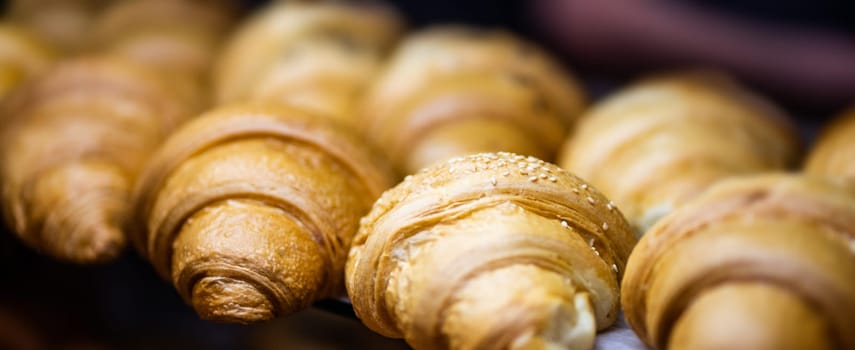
105, 244
225, 299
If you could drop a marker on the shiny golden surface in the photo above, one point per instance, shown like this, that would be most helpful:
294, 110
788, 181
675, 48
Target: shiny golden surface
250, 209
834, 153
658, 143
451, 91
490, 251
73, 142
764, 262
318, 56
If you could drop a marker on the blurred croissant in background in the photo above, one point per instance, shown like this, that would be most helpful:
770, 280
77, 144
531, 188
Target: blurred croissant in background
658, 143
177, 38
452, 91
834, 152
317, 56
72, 144
64, 24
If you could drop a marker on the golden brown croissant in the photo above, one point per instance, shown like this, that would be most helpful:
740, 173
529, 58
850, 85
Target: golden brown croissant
834, 153
660, 142
765, 262
317, 56
22, 56
72, 143
490, 251
452, 91
250, 210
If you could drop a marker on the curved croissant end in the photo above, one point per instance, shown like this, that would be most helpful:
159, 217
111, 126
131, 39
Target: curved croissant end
834, 153
250, 209
73, 142
489, 251
318, 56
764, 262
446, 84
659, 143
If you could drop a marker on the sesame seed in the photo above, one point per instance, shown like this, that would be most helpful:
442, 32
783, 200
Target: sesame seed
451, 170
596, 252
610, 205
605, 226
614, 267
591, 242
493, 180
575, 190
564, 224
553, 178
542, 176
590, 200
584, 186
523, 172
506, 173
532, 179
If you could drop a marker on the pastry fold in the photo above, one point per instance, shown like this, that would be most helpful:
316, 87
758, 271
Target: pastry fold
663, 140
762, 262
452, 91
317, 56
73, 142
250, 210
490, 251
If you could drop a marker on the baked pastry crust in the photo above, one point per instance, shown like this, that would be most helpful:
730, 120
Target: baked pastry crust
489, 251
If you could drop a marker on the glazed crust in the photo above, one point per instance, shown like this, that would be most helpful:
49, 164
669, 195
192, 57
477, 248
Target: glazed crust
781, 239
250, 209
834, 153
72, 144
445, 79
489, 251
662, 141
318, 56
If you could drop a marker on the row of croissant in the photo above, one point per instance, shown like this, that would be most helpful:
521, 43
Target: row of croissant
266, 203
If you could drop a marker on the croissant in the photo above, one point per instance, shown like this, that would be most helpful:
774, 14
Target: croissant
834, 153
451, 91
177, 38
73, 141
663, 140
250, 210
22, 56
180, 36
490, 251
318, 56
764, 262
